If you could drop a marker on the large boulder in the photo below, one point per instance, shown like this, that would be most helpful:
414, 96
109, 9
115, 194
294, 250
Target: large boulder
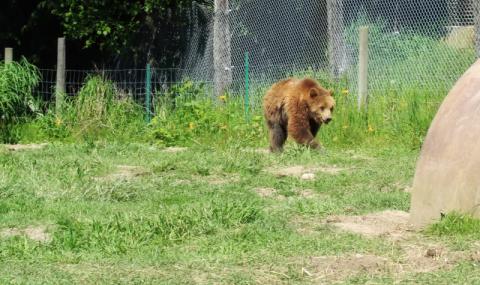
447, 176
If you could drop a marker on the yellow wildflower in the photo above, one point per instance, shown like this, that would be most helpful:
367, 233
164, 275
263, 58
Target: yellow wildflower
223, 98
345, 91
191, 126
345, 127
370, 128
58, 122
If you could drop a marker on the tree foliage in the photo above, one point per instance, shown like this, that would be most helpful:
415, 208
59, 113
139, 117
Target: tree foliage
115, 33
134, 32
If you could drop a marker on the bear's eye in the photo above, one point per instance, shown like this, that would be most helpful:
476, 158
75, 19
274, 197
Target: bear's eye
322, 109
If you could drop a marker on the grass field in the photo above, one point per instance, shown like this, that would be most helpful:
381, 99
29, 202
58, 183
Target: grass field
192, 198
110, 213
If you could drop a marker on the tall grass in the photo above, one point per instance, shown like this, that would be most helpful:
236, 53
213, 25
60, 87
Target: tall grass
396, 117
17, 83
189, 117
100, 108
410, 75
98, 111
393, 117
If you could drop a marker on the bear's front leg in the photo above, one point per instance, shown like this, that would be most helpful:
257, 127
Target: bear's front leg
299, 130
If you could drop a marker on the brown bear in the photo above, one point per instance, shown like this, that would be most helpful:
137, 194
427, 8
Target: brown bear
297, 107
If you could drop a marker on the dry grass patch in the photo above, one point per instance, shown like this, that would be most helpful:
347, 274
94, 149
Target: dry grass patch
391, 224
174, 149
304, 172
20, 147
36, 233
124, 173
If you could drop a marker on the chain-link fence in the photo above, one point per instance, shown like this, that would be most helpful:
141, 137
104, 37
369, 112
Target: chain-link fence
411, 42
130, 83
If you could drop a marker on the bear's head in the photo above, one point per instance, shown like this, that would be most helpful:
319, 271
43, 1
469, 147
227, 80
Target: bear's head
321, 104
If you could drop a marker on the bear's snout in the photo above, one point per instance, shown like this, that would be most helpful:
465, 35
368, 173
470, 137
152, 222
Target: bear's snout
327, 120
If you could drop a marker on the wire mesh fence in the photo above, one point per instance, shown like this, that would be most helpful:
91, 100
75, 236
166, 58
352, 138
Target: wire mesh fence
412, 43
131, 83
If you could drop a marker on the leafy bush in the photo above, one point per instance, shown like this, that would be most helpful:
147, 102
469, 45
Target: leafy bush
196, 118
17, 83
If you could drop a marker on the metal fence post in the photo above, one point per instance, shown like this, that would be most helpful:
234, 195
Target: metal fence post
247, 87
222, 61
148, 90
363, 69
336, 42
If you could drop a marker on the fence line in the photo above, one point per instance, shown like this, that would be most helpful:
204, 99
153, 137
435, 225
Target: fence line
411, 43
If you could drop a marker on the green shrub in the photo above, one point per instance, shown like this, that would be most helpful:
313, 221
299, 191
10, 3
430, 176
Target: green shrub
17, 83
196, 118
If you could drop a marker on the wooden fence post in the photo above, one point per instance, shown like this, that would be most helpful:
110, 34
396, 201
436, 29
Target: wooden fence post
476, 17
60, 84
8, 55
363, 69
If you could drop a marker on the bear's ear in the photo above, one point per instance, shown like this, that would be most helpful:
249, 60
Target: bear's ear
313, 93
330, 92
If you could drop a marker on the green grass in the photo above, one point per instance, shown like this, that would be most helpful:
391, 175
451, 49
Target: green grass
17, 82
192, 216
98, 111
119, 210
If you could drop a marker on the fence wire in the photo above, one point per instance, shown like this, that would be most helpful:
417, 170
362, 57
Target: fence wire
411, 42
128, 82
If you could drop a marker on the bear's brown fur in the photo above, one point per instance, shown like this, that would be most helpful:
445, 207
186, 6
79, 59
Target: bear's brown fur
297, 107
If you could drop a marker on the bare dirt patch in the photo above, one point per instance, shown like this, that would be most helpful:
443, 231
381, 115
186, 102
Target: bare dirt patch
414, 260
266, 192
419, 254
19, 147
333, 268
306, 193
174, 149
391, 224
36, 233
124, 173
304, 171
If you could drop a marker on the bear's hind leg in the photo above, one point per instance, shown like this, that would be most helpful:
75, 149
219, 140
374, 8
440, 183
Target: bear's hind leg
278, 136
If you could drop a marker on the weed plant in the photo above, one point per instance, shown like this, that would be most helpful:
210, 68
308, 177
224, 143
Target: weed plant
17, 83
98, 111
